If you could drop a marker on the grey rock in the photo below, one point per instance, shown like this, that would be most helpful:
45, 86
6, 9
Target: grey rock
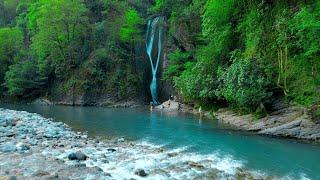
9, 122
51, 177
107, 174
79, 156
40, 173
42, 102
8, 177
172, 154
8, 147
111, 150
104, 161
210, 174
10, 134
141, 173
282, 129
120, 140
97, 169
22, 147
79, 165
33, 142
12, 178
195, 165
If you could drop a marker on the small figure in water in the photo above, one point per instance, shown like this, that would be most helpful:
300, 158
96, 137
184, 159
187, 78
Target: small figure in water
151, 106
170, 99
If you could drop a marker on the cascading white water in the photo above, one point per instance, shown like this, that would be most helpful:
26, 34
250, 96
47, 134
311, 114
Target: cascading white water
154, 30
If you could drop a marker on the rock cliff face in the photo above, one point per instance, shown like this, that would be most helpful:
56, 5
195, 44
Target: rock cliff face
90, 100
291, 122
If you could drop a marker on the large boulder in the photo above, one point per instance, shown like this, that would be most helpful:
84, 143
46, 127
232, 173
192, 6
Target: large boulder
169, 106
79, 156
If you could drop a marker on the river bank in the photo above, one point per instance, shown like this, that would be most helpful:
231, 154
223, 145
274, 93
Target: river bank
34, 147
288, 121
291, 122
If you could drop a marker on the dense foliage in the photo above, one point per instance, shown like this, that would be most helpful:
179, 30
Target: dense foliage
238, 53
245, 52
63, 47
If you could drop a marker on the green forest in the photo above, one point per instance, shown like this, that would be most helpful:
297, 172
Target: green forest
237, 53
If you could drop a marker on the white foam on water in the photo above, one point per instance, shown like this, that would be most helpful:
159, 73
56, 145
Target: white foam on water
303, 176
160, 166
123, 163
292, 176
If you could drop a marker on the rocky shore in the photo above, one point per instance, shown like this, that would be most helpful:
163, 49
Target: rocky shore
101, 101
287, 121
33, 147
290, 122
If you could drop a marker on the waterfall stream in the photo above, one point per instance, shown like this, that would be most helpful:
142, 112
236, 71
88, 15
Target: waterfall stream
154, 37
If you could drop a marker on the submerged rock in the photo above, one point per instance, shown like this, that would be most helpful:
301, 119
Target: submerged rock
79, 156
172, 154
195, 165
210, 174
111, 150
141, 173
120, 140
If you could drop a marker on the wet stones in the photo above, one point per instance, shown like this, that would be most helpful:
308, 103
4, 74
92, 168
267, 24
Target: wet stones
120, 140
97, 169
74, 156
195, 165
9, 122
141, 173
8, 147
10, 134
173, 154
22, 147
41, 173
8, 178
111, 150
78, 156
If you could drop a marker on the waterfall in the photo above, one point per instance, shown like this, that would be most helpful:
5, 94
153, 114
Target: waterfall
154, 32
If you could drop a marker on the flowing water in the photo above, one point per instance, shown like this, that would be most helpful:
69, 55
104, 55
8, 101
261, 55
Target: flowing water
284, 158
154, 37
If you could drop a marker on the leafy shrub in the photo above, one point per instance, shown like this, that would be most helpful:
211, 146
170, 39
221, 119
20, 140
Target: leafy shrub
243, 84
177, 59
23, 79
305, 64
130, 32
11, 42
197, 81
